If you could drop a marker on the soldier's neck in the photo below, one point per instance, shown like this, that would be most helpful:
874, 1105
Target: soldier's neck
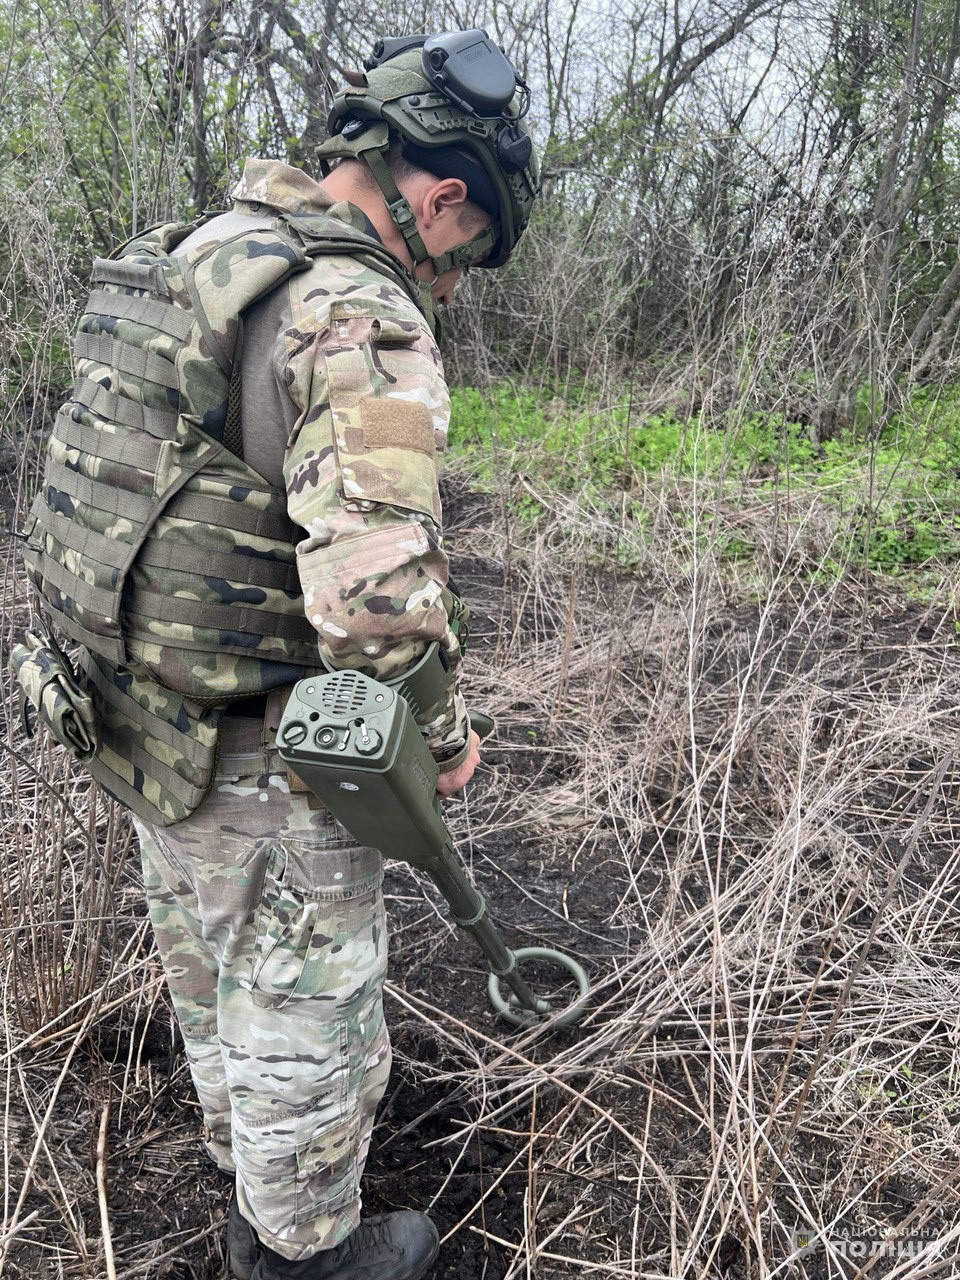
340, 184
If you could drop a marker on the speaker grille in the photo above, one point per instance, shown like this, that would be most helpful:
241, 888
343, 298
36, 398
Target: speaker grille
344, 692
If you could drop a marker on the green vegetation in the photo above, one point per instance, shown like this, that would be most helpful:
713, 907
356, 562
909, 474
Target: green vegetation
890, 496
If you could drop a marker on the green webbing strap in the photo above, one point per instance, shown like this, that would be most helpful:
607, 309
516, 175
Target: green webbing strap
103, 497
113, 553
465, 255
400, 212
116, 408
97, 600
113, 447
108, 647
224, 513
164, 316
225, 617
129, 275
189, 279
459, 621
128, 359
462, 255
159, 728
249, 571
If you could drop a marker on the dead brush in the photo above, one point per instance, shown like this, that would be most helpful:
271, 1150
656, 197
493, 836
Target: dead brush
727, 788
770, 782
755, 779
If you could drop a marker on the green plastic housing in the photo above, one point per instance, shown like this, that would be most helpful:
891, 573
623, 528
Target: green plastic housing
357, 747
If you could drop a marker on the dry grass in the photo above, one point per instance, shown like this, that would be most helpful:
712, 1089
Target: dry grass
737, 810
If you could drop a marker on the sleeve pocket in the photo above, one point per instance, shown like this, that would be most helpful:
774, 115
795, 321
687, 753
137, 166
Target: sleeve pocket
379, 381
332, 577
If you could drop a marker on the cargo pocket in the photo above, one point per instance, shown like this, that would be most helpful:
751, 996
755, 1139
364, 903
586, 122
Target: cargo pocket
48, 683
328, 1171
320, 930
384, 436
296, 1171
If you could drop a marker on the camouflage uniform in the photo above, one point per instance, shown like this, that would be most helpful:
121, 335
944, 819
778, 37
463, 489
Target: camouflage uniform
270, 921
269, 918
182, 567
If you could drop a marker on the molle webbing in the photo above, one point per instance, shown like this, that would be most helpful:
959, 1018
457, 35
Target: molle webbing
77, 434
152, 543
133, 275
111, 407
126, 358
157, 751
203, 508
160, 607
280, 575
158, 315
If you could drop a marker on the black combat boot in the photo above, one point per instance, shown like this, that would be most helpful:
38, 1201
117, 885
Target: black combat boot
242, 1244
389, 1246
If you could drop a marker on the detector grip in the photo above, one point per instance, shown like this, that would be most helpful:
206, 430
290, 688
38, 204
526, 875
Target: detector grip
482, 725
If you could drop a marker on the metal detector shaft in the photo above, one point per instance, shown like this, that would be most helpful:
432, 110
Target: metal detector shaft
356, 745
469, 911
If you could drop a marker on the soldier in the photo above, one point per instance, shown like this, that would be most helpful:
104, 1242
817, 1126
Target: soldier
246, 467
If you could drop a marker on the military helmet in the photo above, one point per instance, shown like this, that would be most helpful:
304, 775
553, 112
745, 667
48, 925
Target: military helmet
455, 102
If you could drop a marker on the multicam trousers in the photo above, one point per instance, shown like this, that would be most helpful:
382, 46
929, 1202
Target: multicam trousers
270, 922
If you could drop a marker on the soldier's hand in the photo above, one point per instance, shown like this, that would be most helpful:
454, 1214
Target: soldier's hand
448, 783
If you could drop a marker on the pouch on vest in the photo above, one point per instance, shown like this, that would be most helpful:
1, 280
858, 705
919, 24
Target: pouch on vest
157, 749
49, 685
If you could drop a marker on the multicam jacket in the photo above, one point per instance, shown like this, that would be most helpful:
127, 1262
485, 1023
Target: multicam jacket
324, 530
363, 411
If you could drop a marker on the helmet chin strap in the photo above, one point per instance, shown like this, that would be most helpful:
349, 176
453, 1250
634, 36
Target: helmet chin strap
402, 216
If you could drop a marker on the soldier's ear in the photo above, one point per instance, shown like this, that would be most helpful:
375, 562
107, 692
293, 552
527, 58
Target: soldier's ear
445, 194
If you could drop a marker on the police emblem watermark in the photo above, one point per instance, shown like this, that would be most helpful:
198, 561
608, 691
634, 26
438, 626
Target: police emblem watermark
863, 1244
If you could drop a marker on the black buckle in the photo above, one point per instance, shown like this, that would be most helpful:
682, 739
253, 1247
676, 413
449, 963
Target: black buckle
400, 211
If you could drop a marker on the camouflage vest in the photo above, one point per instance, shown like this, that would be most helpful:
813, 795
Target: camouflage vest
152, 543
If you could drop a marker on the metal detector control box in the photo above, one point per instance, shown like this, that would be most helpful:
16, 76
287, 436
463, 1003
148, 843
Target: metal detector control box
357, 747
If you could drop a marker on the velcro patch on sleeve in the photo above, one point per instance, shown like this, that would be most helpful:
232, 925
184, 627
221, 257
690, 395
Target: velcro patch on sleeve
391, 423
